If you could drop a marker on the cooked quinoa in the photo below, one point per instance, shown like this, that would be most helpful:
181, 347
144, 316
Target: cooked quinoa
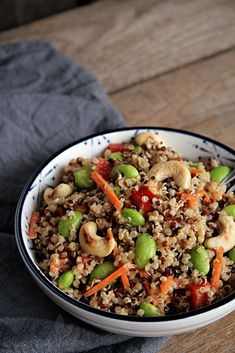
177, 220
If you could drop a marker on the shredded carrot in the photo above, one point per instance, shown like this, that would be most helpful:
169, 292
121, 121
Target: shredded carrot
125, 280
116, 251
109, 233
192, 199
107, 189
166, 286
195, 171
217, 268
151, 292
143, 273
33, 224
114, 275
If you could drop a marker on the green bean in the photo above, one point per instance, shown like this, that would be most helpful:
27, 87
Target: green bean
134, 217
102, 270
127, 170
145, 249
116, 156
231, 254
229, 210
66, 223
219, 173
82, 178
66, 279
200, 259
149, 309
138, 149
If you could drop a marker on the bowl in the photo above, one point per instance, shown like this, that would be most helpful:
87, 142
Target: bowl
191, 146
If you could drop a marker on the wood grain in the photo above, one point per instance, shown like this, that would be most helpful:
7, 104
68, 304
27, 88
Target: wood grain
215, 338
199, 98
166, 63
125, 42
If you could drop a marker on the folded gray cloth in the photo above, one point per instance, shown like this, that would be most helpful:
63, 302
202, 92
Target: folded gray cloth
46, 102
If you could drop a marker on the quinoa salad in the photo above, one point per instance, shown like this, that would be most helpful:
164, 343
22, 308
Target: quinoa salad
138, 230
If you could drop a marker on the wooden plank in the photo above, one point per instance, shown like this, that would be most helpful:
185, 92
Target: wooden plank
199, 97
215, 338
125, 42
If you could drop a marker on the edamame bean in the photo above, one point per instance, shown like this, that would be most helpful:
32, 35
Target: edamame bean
135, 217
127, 170
116, 156
145, 249
149, 309
66, 223
229, 210
66, 279
200, 259
117, 189
82, 178
231, 254
138, 149
102, 270
219, 173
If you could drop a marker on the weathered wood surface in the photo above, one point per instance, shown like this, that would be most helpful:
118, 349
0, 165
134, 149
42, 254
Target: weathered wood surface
215, 338
127, 41
199, 98
165, 63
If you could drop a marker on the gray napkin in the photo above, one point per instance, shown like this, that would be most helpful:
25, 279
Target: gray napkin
46, 102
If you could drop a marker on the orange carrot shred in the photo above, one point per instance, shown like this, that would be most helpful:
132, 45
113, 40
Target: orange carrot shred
125, 281
107, 189
33, 224
114, 275
116, 251
143, 273
109, 233
217, 268
166, 286
192, 199
150, 291
195, 171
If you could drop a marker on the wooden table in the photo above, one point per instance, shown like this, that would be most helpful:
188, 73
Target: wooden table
164, 63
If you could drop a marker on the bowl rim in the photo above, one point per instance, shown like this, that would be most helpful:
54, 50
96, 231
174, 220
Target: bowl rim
31, 265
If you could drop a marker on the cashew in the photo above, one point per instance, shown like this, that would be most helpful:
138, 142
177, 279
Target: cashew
171, 169
93, 244
226, 238
53, 195
142, 138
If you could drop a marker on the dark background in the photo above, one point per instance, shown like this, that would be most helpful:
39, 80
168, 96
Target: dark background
14, 13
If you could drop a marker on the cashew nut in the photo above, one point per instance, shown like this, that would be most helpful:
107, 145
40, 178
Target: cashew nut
226, 238
176, 170
142, 138
92, 243
61, 191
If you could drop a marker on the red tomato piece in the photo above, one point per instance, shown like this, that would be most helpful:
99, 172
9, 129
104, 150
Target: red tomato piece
104, 168
198, 299
137, 199
117, 147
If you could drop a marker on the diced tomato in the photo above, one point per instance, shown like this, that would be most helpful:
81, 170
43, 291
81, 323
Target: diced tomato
117, 147
198, 299
104, 168
137, 199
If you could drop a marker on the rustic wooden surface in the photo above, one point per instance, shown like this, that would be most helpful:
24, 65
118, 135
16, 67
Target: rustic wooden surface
164, 63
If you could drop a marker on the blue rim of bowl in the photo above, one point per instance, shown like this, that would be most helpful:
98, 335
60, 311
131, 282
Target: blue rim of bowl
46, 281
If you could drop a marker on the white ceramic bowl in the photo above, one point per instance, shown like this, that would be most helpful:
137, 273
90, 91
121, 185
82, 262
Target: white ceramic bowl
191, 146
